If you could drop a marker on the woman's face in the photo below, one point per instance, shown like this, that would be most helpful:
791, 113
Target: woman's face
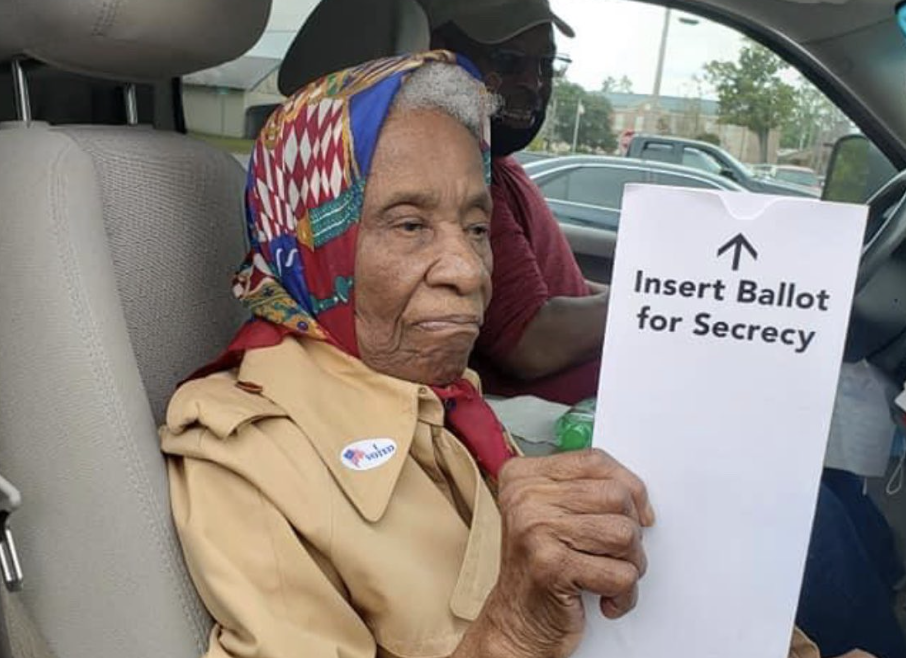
423, 258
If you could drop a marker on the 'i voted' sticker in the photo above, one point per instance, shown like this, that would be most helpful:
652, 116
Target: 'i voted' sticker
367, 454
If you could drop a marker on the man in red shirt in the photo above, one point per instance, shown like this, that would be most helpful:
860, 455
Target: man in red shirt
543, 331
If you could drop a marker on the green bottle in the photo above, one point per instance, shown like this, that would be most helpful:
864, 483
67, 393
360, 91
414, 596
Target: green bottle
573, 430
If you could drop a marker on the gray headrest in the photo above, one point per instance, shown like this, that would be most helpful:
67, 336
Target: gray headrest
131, 39
368, 29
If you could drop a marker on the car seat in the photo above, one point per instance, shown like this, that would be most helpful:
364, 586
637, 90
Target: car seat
117, 250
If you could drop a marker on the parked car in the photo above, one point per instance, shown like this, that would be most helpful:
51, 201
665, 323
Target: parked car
762, 170
588, 190
801, 176
710, 158
525, 157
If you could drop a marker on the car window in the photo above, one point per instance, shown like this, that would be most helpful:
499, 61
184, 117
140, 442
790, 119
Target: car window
680, 180
605, 95
227, 105
799, 177
555, 186
682, 75
601, 186
698, 159
658, 152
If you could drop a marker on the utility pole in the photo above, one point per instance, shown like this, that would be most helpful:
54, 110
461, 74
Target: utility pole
580, 110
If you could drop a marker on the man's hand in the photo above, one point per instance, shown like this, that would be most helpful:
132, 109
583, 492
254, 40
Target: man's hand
571, 523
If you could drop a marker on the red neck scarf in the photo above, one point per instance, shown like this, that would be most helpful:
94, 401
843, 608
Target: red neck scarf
469, 417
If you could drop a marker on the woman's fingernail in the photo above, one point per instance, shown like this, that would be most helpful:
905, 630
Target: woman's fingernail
649, 514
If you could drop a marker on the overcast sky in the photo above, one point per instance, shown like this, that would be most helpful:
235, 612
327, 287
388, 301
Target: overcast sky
613, 38
618, 37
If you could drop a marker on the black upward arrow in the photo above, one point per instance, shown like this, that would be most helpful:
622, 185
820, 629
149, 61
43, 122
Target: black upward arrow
738, 244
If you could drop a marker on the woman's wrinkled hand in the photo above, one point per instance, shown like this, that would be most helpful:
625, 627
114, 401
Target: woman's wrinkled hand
572, 523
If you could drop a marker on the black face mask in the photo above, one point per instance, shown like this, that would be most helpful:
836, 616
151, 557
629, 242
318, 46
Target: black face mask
506, 140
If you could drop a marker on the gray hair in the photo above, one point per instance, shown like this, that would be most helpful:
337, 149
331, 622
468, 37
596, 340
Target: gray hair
449, 89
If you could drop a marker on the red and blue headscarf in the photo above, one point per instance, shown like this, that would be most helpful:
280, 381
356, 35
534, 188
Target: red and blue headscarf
306, 185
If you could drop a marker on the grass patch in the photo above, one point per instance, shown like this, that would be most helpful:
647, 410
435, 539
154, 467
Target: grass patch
230, 144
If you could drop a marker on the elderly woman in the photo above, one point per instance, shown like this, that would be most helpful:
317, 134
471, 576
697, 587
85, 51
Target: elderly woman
333, 475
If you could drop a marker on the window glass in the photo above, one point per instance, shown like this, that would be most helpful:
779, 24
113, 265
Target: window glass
610, 91
658, 152
555, 186
690, 93
228, 104
798, 176
678, 180
698, 159
601, 186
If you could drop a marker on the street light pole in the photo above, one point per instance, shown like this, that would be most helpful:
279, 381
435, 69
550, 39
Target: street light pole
579, 112
661, 56
661, 53
550, 124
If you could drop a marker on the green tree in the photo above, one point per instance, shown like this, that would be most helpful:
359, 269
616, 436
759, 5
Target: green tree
811, 114
595, 132
622, 86
751, 92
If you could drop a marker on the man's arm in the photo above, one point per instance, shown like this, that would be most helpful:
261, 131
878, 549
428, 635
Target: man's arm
564, 332
527, 332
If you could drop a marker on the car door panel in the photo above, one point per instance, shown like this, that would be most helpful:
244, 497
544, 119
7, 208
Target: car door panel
593, 249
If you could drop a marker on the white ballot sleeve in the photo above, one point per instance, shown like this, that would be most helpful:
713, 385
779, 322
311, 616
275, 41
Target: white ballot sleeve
724, 339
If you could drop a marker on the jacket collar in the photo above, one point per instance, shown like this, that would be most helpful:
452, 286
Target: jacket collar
337, 401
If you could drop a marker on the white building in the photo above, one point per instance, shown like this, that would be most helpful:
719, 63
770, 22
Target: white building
217, 101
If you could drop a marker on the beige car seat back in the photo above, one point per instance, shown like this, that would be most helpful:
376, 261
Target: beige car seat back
115, 263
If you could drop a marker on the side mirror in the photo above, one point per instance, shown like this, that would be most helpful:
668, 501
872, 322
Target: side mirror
726, 172
857, 169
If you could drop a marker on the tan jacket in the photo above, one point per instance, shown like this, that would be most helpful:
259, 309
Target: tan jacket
293, 551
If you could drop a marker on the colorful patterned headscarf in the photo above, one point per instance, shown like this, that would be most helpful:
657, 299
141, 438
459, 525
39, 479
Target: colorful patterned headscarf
306, 184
